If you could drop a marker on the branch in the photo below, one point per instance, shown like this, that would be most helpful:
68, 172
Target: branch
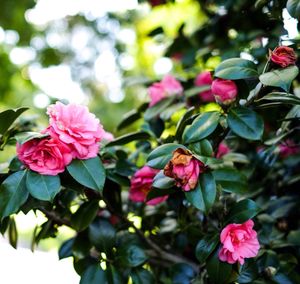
52, 215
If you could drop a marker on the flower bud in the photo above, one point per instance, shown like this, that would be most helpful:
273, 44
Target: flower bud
225, 91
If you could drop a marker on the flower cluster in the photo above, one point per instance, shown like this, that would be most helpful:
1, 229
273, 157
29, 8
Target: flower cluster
73, 133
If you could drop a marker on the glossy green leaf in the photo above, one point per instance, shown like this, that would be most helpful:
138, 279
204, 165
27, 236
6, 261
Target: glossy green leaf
236, 68
202, 126
94, 274
7, 118
231, 180
293, 7
204, 195
280, 77
24, 137
170, 110
242, 211
85, 214
66, 249
89, 173
245, 123
161, 155
206, 246
13, 193
196, 90
161, 181
158, 108
12, 232
202, 148
132, 255
183, 122
42, 187
127, 138
279, 97
142, 276
102, 235
218, 271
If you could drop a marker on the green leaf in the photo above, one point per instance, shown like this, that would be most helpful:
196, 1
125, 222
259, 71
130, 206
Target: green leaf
127, 138
160, 156
24, 137
219, 272
158, 108
7, 118
13, 193
294, 237
202, 126
236, 68
131, 255
13, 233
231, 180
183, 122
93, 275
102, 235
280, 97
85, 215
66, 249
169, 111
293, 7
204, 195
202, 148
89, 173
245, 123
42, 187
206, 246
142, 276
196, 90
280, 77
161, 181
158, 192
242, 211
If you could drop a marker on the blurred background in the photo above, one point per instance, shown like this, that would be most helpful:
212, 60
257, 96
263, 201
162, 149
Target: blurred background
104, 53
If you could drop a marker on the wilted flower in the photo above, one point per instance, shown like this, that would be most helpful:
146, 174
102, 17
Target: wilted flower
283, 56
184, 168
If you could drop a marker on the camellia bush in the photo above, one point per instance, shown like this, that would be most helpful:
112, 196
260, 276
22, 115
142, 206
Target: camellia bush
206, 191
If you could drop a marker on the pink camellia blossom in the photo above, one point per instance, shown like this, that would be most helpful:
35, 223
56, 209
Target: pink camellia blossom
225, 91
167, 87
141, 184
46, 156
223, 149
108, 136
75, 126
184, 168
288, 148
204, 79
239, 242
283, 56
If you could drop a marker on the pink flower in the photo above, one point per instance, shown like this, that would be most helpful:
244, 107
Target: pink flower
204, 79
283, 56
225, 91
108, 136
184, 168
75, 126
141, 184
239, 242
288, 148
46, 156
223, 149
168, 86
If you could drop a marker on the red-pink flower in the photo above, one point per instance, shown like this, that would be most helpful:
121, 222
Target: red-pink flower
205, 79
223, 149
168, 86
108, 136
184, 168
283, 56
46, 156
288, 148
75, 126
225, 91
141, 184
239, 242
